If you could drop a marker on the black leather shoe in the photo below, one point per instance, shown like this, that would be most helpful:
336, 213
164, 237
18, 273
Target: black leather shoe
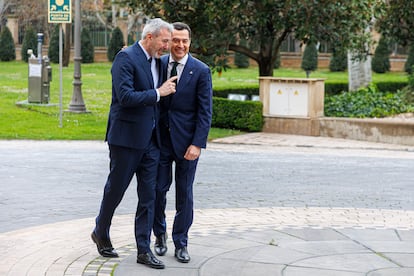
160, 246
181, 254
104, 247
150, 260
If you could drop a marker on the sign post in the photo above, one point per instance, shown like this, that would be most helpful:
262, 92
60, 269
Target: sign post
60, 11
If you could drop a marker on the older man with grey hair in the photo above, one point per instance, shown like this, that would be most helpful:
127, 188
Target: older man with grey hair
133, 137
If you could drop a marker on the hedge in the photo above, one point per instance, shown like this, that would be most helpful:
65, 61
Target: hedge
247, 115
242, 115
331, 88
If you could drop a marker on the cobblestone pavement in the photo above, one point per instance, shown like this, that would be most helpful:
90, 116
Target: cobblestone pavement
289, 205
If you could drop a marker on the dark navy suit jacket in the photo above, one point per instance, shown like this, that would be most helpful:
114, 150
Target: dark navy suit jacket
187, 113
133, 111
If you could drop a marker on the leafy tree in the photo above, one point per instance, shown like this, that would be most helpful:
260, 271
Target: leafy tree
310, 58
266, 24
29, 42
339, 60
7, 48
54, 45
87, 47
115, 43
381, 60
397, 21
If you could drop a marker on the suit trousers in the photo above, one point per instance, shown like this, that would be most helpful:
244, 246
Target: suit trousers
124, 163
184, 177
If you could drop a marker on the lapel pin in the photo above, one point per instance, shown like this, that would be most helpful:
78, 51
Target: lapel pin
191, 72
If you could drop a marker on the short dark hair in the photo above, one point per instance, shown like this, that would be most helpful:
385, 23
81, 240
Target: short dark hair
179, 26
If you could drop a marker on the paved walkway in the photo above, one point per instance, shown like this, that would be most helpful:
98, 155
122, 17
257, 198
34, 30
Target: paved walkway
361, 229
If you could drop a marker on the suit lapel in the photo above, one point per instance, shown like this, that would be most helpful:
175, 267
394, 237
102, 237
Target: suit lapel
142, 61
187, 73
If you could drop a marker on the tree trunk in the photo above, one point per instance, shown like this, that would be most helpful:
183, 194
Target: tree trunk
66, 48
265, 67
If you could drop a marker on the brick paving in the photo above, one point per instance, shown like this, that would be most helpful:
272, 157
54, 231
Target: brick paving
265, 203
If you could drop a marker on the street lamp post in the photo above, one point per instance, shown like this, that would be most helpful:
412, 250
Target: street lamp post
77, 104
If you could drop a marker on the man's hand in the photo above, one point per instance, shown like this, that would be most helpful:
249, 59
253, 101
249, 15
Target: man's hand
168, 87
192, 153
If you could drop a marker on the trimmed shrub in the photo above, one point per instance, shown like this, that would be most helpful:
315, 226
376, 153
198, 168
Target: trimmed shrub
7, 48
277, 62
339, 61
87, 47
223, 93
331, 88
408, 91
310, 58
115, 43
334, 88
54, 44
243, 115
240, 60
408, 66
29, 42
381, 60
392, 86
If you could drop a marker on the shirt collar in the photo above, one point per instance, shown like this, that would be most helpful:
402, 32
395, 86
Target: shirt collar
143, 49
181, 61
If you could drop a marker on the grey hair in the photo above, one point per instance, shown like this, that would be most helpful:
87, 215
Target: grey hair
154, 26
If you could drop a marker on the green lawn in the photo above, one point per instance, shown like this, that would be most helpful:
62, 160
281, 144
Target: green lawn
42, 122
249, 77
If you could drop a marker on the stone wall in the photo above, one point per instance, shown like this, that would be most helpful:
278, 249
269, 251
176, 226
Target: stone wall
390, 130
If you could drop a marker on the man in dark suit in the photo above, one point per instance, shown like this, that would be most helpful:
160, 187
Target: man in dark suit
185, 120
133, 138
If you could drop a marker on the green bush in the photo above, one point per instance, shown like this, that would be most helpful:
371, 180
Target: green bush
242, 115
115, 43
381, 60
87, 47
339, 61
410, 60
392, 86
54, 44
331, 88
223, 93
310, 58
7, 48
367, 102
334, 88
408, 91
240, 60
29, 42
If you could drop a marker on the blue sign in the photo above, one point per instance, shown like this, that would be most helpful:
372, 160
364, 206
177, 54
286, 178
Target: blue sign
60, 11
